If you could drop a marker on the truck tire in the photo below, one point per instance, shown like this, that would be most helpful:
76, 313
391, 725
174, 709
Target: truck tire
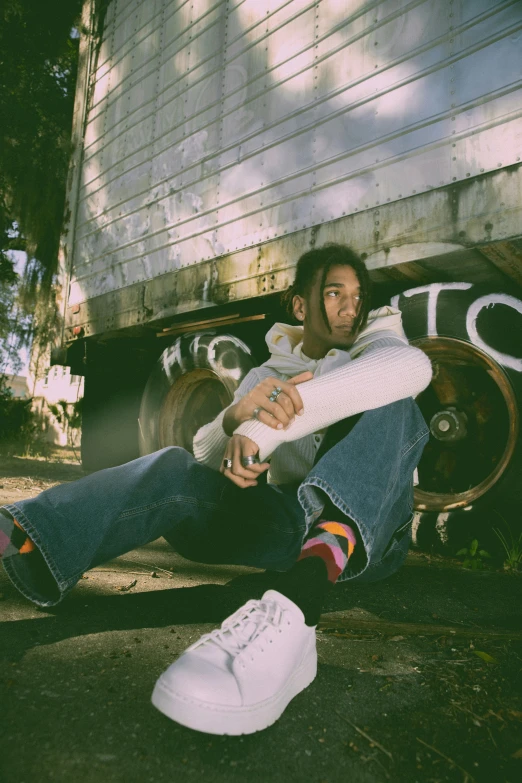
192, 381
474, 456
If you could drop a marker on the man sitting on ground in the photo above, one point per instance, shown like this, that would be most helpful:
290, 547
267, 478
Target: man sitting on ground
333, 409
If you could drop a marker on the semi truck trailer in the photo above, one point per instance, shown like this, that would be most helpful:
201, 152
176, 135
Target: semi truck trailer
215, 141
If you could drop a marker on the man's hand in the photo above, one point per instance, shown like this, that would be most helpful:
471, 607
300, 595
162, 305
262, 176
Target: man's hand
239, 447
256, 404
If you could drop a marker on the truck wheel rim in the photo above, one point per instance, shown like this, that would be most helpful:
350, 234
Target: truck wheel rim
471, 410
192, 401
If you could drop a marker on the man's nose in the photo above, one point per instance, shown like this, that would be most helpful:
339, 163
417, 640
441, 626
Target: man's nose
348, 308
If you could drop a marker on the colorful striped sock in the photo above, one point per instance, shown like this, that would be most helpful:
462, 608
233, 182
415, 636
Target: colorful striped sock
333, 542
13, 538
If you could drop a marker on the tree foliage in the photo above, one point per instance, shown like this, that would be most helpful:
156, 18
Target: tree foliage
38, 63
16, 416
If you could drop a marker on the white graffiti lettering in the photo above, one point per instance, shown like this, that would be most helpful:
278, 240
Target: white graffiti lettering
490, 300
417, 518
232, 372
171, 357
440, 526
433, 290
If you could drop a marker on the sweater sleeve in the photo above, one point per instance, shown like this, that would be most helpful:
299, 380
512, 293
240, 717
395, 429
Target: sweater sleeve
210, 440
387, 371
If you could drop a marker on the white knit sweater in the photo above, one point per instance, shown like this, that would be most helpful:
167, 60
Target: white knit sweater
380, 368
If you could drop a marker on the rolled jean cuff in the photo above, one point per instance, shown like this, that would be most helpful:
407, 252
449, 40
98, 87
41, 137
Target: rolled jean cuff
44, 586
368, 476
311, 496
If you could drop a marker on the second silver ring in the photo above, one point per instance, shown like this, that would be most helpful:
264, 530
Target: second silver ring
247, 461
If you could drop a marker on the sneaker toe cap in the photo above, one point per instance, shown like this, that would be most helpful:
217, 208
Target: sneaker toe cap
198, 679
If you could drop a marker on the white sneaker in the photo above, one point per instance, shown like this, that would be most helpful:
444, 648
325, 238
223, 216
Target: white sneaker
239, 679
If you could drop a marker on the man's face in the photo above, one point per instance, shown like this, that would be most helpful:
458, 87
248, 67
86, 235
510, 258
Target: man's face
342, 301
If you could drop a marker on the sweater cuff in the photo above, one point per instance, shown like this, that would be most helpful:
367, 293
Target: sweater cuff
267, 438
210, 442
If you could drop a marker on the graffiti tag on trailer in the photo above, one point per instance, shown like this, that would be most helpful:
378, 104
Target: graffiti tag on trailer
488, 300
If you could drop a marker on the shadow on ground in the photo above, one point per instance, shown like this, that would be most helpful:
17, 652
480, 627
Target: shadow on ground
420, 679
415, 595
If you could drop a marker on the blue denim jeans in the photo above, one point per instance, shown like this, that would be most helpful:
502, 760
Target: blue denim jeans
367, 476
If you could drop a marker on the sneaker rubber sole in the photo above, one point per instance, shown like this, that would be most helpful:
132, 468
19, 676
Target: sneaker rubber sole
218, 719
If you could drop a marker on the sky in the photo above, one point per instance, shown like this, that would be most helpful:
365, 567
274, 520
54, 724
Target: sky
19, 258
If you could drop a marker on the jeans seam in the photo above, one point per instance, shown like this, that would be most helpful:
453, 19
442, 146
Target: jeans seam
412, 443
172, 499
405, 525
392, 485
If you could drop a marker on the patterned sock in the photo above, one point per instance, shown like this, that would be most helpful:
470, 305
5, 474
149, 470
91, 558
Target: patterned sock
322, 559
13, 538
333, 542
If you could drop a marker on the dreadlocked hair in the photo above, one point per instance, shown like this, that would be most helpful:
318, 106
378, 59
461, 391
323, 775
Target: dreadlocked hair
319, 261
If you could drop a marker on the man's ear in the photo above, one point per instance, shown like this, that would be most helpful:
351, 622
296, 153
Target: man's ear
299, 307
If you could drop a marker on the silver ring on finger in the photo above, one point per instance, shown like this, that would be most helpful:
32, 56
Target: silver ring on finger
275, 394
247, 461
227, 464
256, 412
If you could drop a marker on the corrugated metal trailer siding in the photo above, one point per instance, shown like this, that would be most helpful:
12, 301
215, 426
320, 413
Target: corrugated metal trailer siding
215, 126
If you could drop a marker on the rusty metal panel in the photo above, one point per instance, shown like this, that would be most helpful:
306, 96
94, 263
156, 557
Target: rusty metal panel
507, 256
436, 231
218, 125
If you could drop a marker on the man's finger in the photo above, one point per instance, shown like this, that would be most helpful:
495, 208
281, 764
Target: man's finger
267, 418
239, 447
239, 480
223, 467
292, 392
302, 377
238, 468
286, 402
256, 468
278, 412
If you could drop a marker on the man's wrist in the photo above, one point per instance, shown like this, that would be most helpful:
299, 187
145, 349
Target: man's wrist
266, 438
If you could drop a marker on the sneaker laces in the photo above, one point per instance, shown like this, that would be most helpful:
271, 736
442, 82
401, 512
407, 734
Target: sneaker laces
244, 626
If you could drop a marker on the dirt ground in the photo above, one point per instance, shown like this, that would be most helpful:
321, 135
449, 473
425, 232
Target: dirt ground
24, 477
420, 676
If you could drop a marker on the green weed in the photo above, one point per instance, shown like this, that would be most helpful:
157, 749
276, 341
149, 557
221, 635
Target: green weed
512, 547
473, 556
